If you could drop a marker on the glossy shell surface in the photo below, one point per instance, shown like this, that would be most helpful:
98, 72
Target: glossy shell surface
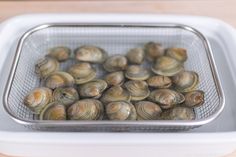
115, 63
159, 82
180, 54
136, 72
60, 53
178, 113
147, 110
136, 55
115, 78
194, 98
153, 51
53, 111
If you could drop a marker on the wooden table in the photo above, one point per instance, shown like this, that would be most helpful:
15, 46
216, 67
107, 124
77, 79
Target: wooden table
222, 9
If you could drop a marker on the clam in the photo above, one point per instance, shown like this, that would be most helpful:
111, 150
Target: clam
115, 78
45, 66
136, 72
180, 54
194, 98
66, 95
92, 89
115, 93
115, 63
60, 53
153, 51
59, 79
53, 111
159, 82
185, 81
82, 72
147, 110
37, 99
178, 113
135, 55
167, 98
138, 89
121, 110
86, 109
91, 54
167, 66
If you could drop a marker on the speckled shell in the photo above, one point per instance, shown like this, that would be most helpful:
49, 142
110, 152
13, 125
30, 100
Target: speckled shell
166, 98
60, 53
194, 98
136, 55
46, 66
82, 72
91, 54
147, 110
159, 82
53, 111
92, 89
180, 54
185, 81
138, 89
86, 109
38, 98
167, 66
153, 51
178, 113
66, 95
136, 72
59, 79
121, 110
115, 63
115, 78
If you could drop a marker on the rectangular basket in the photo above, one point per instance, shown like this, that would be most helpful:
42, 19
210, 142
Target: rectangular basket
115, 39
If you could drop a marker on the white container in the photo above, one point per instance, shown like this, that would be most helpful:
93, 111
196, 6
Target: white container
215, 139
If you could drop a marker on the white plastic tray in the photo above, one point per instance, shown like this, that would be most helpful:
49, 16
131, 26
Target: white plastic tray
213, 140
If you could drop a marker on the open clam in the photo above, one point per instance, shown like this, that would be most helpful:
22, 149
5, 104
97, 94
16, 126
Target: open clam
167, 66
180, 54
138, 89
66, 95
185, 81
166, 98
60, 53
115, 78
115, 93
86, 109
153, 51
159, 82
91, 54
121, 110
136, 72
136, 55
178, 113
147, 110
92, 89
59, 79
45, 66
53, 111
82, 72
194, 98
115, 63
37, 99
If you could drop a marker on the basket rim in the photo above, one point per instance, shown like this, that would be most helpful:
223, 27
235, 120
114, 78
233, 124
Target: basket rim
53, 123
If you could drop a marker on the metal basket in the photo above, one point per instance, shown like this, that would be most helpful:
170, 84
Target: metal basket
115, 39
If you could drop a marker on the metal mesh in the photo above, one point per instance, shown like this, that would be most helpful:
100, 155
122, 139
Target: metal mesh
115, 40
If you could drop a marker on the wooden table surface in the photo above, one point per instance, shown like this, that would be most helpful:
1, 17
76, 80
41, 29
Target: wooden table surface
222, 9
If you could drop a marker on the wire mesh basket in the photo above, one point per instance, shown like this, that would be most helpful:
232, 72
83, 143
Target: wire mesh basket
115, 39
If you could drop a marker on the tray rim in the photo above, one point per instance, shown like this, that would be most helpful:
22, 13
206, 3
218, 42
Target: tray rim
104, 124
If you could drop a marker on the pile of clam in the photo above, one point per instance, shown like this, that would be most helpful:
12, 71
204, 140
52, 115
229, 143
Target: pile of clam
147, 83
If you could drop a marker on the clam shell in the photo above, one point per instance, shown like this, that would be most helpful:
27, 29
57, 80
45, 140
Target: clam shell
38, 98
178, 113
60, 53
121, 110
91, 54
115, 63
138, 89
153, 51
53, 111
46, 66
147, 110
180, 54
92, 89
66, 96
86, 109
159, 82
59, 79
115, 78
167, 66
115, 93
166, 98
136, 55
136, 72
82, 72
194, 98
186, 81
